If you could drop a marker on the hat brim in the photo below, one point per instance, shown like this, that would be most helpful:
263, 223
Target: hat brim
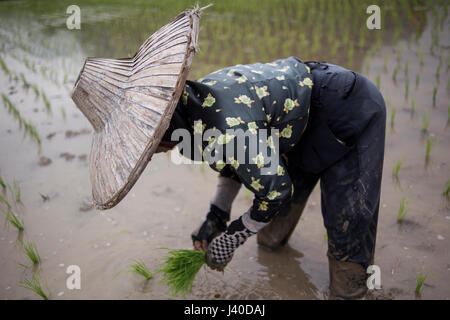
130, 102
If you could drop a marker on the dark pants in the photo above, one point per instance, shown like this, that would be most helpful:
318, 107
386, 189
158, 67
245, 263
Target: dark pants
343, 147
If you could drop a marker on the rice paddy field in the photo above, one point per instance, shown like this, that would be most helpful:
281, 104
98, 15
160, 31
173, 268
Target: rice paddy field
47, 223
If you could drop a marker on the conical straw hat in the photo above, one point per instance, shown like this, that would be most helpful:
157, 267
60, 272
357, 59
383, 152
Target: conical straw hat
130, 102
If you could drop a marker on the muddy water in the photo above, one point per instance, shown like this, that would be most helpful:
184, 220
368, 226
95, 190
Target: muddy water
169, 200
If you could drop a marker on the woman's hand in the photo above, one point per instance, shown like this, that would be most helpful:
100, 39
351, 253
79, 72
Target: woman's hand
214, 224
221, 250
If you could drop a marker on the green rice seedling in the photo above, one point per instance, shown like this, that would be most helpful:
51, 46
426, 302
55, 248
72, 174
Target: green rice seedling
429, 146
425, 122
446, 188
15, 191
31, 251
63, 113
14, 221
34, 285
448, 113
406, 68
29, 129
396, 168
386, 59
402, 210
434, 96
139, 268
180, 269
5, 69
5, 202
377, 81
406, 88
413, 106
399, 52
394, 75
438, 69
36, 91
2, 184
417, 80
25, 83
420, 281
47, 104
393, 113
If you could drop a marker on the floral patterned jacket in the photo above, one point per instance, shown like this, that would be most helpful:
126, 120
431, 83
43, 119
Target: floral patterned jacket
274, 95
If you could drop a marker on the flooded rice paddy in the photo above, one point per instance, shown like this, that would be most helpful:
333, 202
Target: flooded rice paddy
45, 142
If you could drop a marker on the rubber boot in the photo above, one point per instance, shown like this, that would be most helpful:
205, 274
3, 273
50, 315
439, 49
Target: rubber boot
277, 233
347, 279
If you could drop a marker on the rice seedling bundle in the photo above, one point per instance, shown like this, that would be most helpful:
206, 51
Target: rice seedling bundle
180, 269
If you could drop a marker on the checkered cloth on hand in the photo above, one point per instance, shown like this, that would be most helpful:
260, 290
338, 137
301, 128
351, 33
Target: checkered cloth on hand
221, 249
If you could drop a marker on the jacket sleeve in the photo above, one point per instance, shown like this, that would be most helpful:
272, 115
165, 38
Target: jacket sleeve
267, 178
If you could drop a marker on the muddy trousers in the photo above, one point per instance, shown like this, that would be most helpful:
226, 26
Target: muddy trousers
350, 198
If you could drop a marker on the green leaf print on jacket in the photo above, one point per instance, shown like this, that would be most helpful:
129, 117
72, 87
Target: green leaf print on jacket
286, 132
289, 104
245, 100
209, 101
306, 82
261, 92
234, 121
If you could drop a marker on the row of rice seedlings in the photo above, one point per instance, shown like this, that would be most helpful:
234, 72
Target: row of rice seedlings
34, 284
402, 210
29, 129
139, 268
396, 168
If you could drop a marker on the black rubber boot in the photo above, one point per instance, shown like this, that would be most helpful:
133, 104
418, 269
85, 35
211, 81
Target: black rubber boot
348, 280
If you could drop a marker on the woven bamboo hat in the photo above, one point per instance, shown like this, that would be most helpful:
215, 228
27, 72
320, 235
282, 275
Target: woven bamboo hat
130, 102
